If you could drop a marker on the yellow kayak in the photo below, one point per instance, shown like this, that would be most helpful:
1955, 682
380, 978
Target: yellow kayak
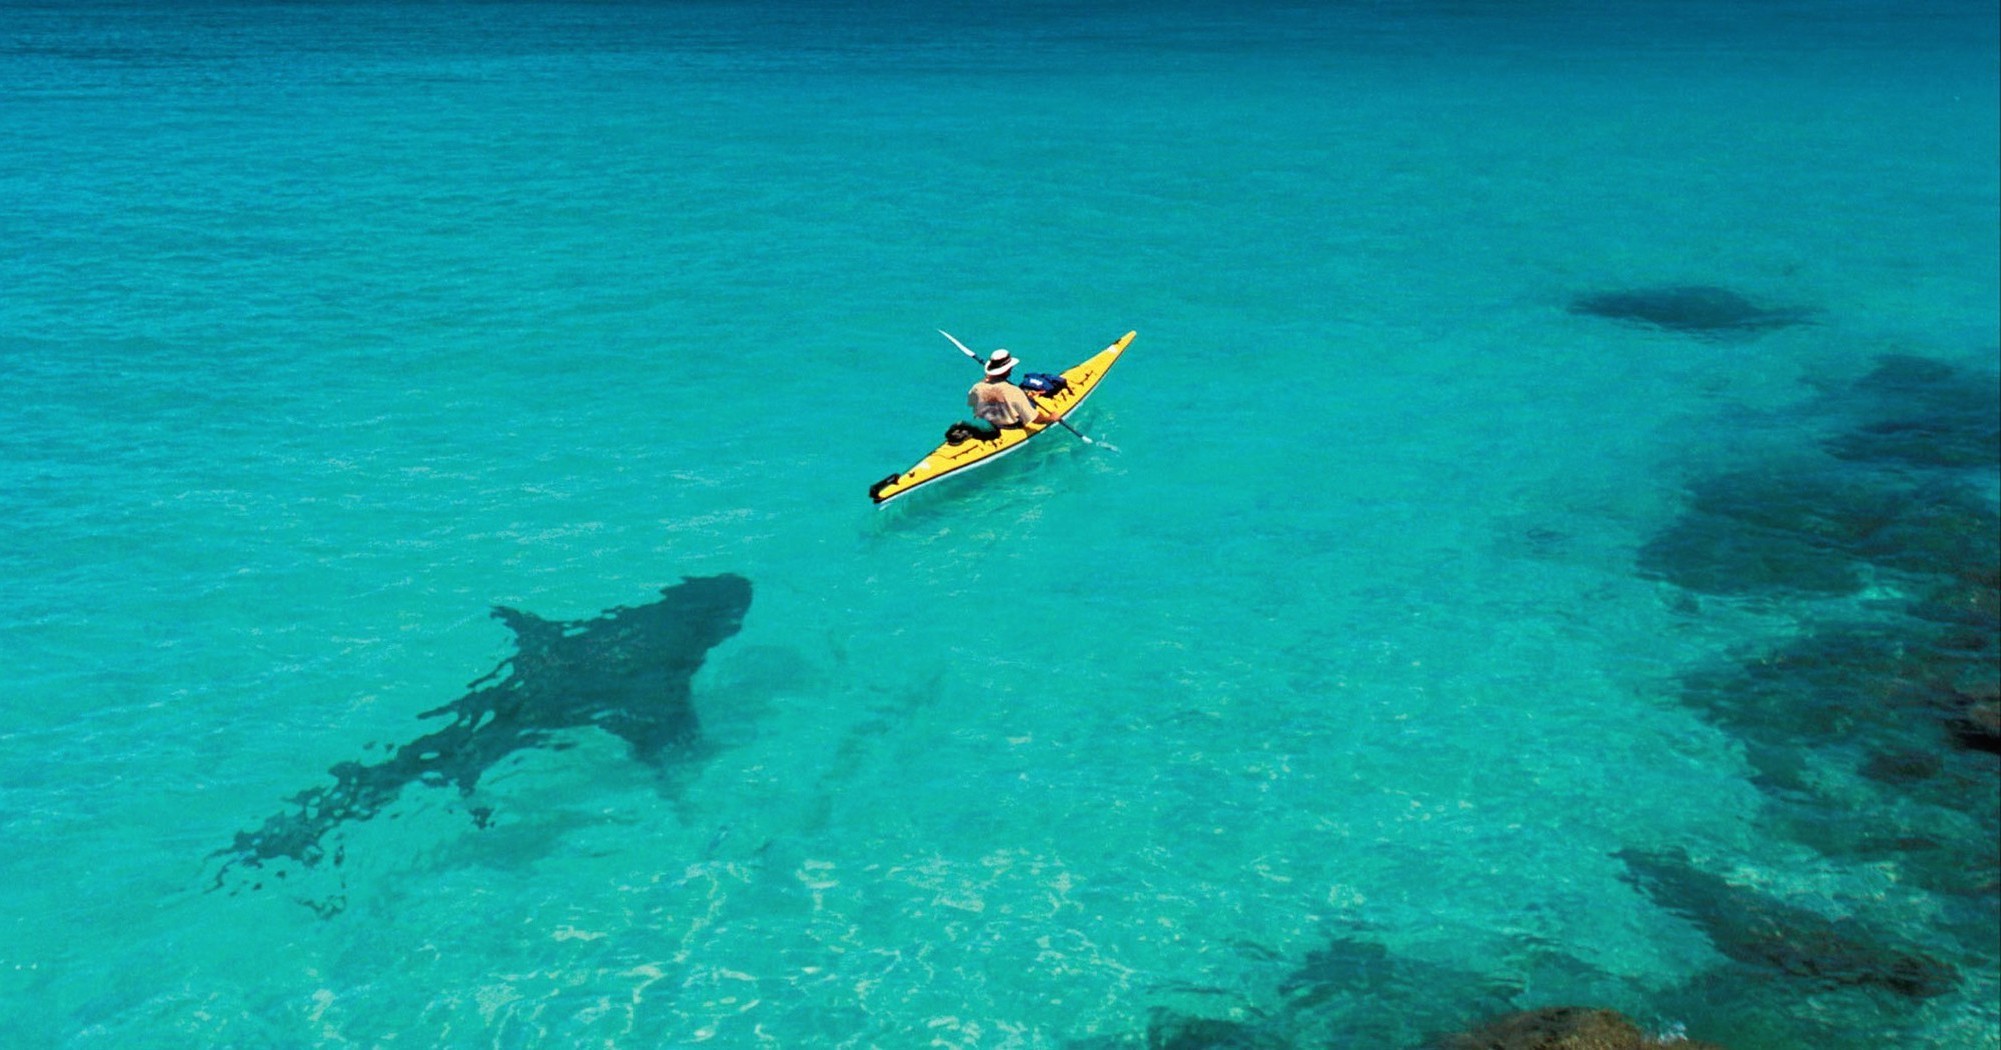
952, 457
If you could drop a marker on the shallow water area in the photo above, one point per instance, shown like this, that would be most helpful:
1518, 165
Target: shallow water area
1428, 649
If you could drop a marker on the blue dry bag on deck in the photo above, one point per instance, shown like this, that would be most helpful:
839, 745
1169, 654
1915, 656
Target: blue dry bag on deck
1044, 384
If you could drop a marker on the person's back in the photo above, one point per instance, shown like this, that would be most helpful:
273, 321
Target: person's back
998, 401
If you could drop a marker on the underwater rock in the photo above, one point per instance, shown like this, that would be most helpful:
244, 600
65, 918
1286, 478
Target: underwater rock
1887, 703
1978, 728
1563, 1028
1873, 739
1353, 992
1356, 992
1712, 555
1918, 412
1796, 532
1941, 529
1902, 717
1699, 310
1345, 967
625, 671
1166, 1030
1844, 683
1172, 1030
1769, 532
1902, 766
1758, 931
1973, 601
1870, 690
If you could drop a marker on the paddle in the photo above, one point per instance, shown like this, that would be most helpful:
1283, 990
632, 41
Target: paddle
1081, 436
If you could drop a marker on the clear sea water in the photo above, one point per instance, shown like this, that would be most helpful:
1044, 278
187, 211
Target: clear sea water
327, 327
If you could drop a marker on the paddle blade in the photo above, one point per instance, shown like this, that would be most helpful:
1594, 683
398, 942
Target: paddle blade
963, 348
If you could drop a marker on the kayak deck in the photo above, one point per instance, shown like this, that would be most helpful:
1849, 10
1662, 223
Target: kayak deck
949, 459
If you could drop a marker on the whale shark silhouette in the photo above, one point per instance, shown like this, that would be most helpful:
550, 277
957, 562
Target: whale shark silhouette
625, 671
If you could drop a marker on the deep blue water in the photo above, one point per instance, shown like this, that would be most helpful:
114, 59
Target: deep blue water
1439, 642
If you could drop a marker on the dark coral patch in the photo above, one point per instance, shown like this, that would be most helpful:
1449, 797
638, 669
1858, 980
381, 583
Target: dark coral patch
1713, 555
1939, 528
1809, 530
1890, 707
1699, 310
1914, 411
1166, 1030
1857, 685
1972, 601
1881, 687
1759, 931
1356, 992
1353, 969
1978, 726
1563, 1028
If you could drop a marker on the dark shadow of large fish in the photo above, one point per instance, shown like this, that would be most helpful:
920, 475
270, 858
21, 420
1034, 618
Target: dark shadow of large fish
1697, 310
625, 671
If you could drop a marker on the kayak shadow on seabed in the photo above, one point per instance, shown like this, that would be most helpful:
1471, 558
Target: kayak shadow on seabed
625, 671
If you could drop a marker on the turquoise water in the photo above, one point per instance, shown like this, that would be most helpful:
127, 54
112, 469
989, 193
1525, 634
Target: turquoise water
1325, 706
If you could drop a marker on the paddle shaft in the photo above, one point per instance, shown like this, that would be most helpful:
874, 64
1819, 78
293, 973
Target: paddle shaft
968, 351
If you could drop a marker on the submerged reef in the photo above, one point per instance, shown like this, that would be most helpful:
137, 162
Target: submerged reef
1811, 528
1548, 1028
1698, 310
1756, 930
625, 671
1166, 1030
1874, 744
1916, 412
1898, 512
1564, 1028
1355, 992
1873, 722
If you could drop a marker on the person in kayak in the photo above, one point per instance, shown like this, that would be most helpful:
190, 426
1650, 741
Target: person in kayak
998, 401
